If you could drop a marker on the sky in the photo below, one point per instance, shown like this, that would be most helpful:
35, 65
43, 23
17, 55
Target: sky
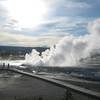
44, 22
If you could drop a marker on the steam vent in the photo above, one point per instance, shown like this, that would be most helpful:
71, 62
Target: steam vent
93, 60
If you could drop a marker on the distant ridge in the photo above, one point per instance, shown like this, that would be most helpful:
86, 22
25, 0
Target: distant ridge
6, 51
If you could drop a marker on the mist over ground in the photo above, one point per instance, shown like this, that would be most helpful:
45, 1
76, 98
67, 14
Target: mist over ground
69, 50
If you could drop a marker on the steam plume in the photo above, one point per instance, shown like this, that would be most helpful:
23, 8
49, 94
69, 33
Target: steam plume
69, 50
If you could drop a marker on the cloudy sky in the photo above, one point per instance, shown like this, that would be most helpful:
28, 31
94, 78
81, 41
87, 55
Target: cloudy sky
44, 22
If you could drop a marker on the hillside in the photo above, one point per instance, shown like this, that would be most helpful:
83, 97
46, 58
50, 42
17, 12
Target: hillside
14, 51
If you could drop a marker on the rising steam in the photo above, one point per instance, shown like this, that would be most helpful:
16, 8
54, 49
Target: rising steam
69, 50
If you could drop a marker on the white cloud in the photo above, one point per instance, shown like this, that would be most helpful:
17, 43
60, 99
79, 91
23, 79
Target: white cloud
69, 4
61, 26
77, 5
24, 40
61, 23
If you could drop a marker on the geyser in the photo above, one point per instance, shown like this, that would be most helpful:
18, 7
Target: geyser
69, 50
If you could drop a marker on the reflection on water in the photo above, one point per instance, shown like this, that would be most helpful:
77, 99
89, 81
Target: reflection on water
12, 62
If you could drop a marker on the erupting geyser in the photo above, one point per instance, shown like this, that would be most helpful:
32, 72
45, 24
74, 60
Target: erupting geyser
69, 50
